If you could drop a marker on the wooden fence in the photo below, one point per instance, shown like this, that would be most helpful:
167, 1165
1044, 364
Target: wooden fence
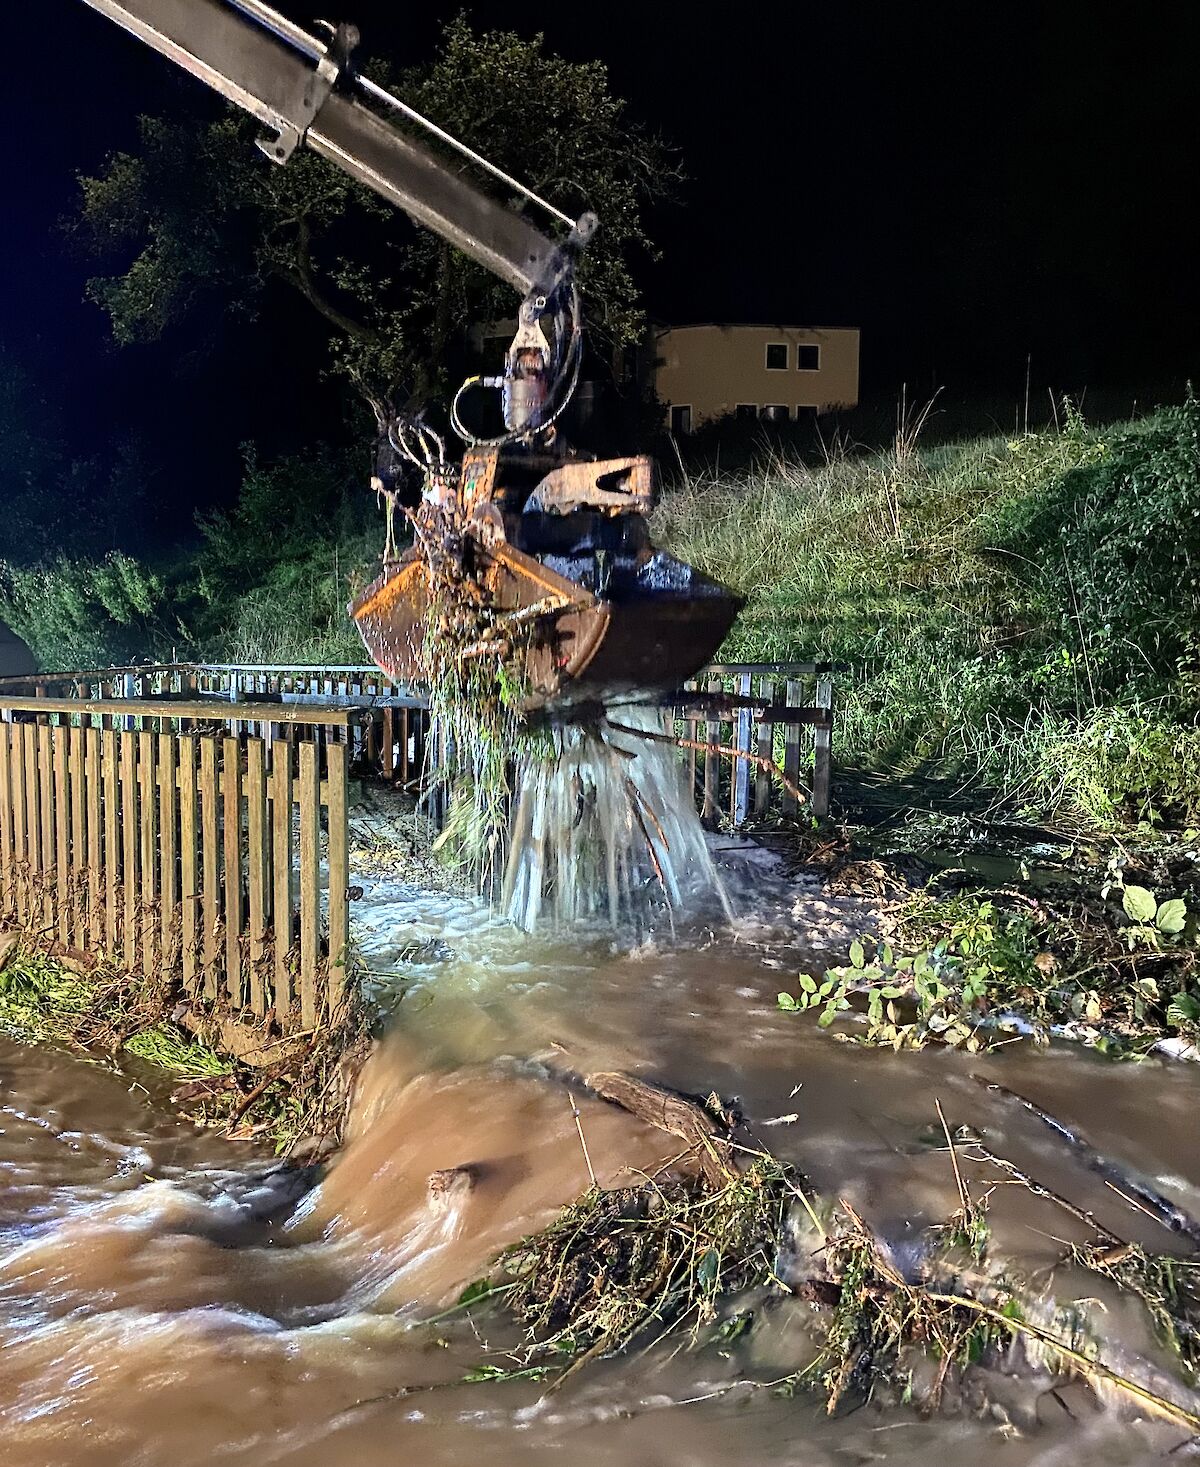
146, 834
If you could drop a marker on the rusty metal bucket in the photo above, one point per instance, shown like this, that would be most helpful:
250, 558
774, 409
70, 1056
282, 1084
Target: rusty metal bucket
611, 615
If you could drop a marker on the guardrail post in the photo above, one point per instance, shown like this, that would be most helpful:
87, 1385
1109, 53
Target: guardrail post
741, 767
791, 750
823, 749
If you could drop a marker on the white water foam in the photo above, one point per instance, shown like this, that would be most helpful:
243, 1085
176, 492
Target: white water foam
606, 827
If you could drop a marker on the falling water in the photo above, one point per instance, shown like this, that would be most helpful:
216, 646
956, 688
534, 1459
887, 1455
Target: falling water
604, 826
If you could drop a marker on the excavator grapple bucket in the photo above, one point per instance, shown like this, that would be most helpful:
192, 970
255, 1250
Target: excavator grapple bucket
604, 615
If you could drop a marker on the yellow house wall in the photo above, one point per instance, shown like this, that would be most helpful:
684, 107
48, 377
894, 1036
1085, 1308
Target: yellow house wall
714, 368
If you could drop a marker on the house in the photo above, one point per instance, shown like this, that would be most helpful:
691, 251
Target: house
773, 372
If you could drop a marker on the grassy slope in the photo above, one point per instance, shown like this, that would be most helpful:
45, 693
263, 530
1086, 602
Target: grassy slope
992, 596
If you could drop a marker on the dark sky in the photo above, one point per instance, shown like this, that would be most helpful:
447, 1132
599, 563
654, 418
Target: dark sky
966, 183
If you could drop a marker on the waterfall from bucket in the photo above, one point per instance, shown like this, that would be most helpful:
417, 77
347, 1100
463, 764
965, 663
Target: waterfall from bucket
606, 827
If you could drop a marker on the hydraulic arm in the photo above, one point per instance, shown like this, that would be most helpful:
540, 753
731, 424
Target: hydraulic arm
305, 91
546, 555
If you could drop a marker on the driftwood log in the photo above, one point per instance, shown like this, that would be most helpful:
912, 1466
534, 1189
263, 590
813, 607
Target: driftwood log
676, 1114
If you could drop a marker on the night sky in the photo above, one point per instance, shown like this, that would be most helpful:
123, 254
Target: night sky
967, 184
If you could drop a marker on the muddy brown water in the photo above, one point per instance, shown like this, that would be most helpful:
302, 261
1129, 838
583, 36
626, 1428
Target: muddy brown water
148, 1318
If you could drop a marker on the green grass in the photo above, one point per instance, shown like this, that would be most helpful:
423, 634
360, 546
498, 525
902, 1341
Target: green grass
1018, 611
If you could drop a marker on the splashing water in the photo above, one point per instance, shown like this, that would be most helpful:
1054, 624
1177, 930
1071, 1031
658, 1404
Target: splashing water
604, 826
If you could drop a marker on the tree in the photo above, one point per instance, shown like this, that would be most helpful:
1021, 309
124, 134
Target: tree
196, 215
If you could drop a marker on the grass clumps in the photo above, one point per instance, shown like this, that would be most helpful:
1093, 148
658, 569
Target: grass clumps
1023, 611
40, 999
224, 1073
169, 1048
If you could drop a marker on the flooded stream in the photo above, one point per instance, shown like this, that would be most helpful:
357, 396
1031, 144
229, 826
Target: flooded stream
162, 1303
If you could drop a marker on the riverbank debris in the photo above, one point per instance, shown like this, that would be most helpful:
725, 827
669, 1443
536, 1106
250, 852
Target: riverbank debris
221, 1067
727, 1234
1094, 956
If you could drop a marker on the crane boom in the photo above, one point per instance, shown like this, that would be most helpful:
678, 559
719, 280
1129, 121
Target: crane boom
286, 78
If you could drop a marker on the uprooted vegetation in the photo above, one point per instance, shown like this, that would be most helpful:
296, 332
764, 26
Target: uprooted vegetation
1105, 957
706, 1251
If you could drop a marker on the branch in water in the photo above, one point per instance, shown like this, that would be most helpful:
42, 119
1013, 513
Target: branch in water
760, 761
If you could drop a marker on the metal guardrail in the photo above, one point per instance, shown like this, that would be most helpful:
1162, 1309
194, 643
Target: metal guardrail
756, 714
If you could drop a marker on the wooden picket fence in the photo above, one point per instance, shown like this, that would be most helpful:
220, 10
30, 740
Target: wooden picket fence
177, 846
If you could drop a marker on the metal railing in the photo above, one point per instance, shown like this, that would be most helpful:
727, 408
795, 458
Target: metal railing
737, 719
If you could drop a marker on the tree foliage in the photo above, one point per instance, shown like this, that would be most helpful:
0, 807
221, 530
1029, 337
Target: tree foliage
196, 217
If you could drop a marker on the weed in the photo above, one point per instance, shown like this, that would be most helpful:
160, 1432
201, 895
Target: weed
1114, 971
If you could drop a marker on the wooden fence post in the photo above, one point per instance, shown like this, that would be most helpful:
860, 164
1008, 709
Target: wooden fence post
148, 883
45, 773
281, 862
210, 862
257, 866
112, 842
168, 908
95, 834
78, 834
16, 746
62, 831
231, 780
33, 826
189, 885
310, 887
339, 882
7, 873
129, 848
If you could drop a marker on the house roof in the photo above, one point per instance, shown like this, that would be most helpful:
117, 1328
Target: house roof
661, 329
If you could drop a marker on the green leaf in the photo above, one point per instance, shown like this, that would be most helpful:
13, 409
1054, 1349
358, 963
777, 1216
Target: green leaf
1171, 916
857, 957
1139, 904
808, 984
786, 1001
710, 1264
480, 1289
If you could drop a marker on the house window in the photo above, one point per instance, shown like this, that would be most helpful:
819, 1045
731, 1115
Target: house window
808, 358
746, 410
775, 413
681, 418
777, 356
